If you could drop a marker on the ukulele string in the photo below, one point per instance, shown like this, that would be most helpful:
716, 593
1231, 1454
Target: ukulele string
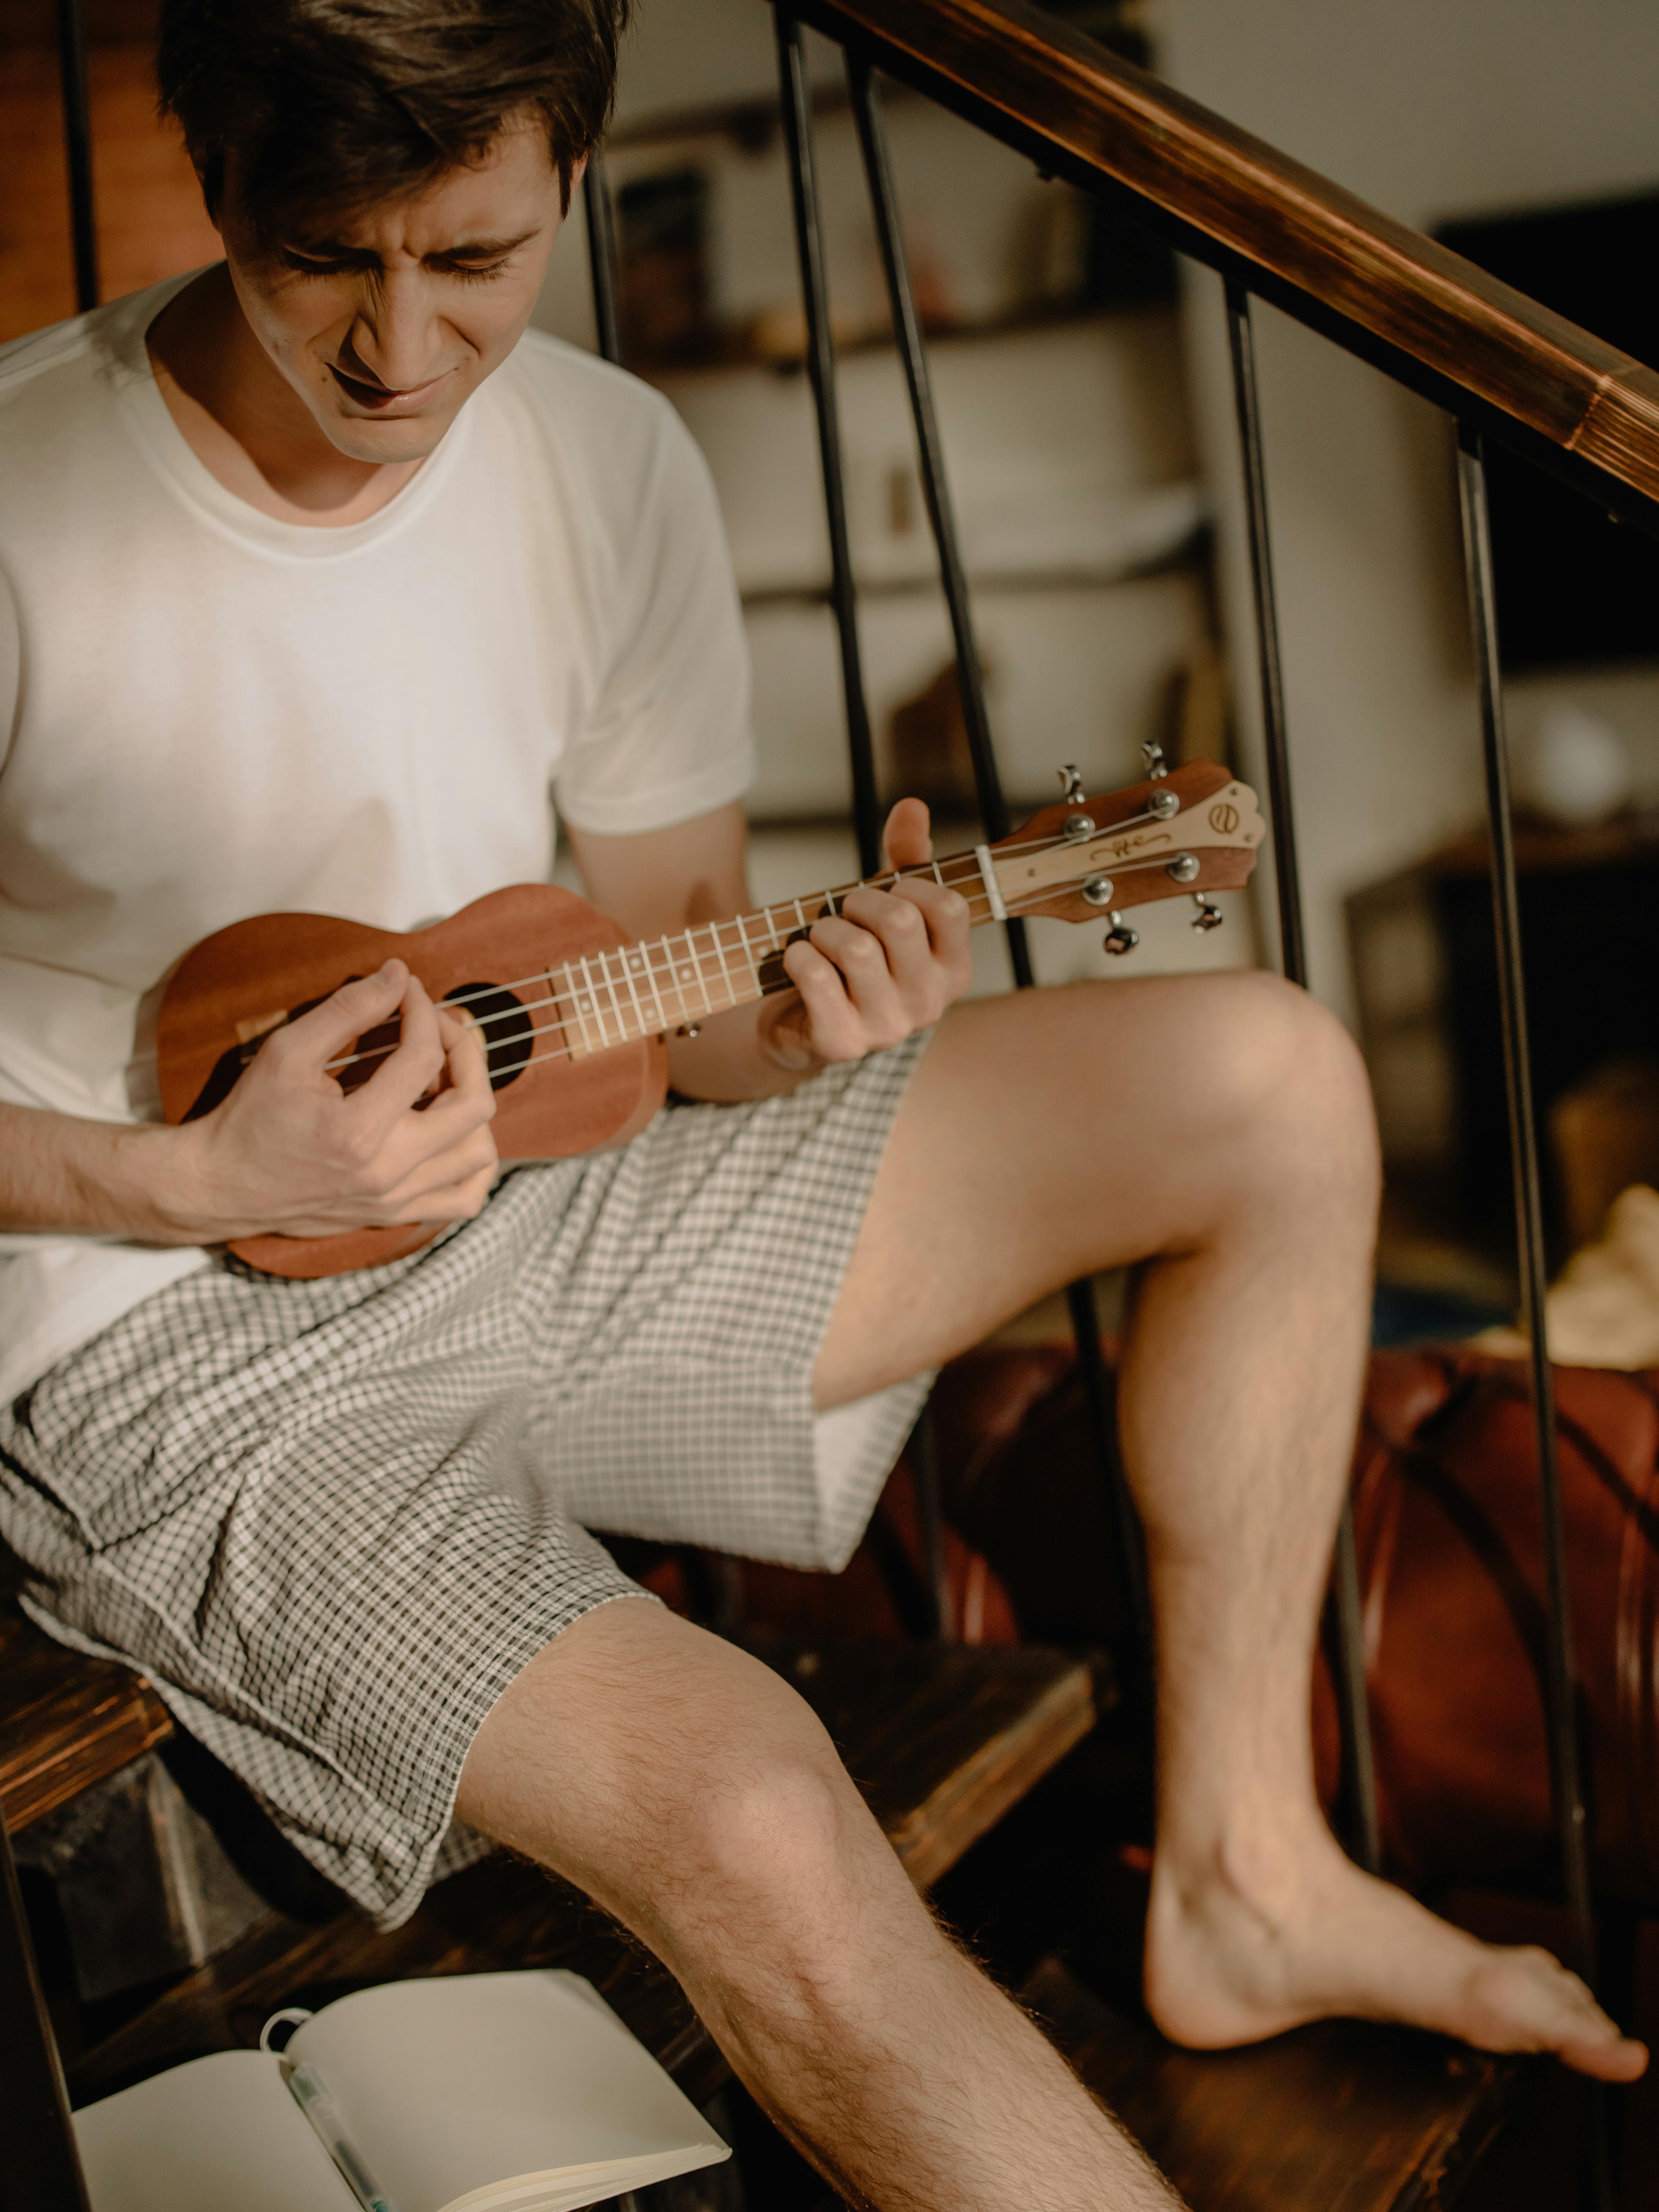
585, 1051
600, 1016
966, 863
652, 972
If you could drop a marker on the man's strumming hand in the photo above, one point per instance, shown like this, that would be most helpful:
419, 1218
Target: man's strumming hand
289, 1151
889, 963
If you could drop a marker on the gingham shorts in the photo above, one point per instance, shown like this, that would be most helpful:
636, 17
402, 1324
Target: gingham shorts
332, 1521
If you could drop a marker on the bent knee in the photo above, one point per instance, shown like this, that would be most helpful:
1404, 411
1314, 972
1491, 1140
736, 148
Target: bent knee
1288, 1077
775, 1830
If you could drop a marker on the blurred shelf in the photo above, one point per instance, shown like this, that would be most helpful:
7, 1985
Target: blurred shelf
735, 348
1069, 579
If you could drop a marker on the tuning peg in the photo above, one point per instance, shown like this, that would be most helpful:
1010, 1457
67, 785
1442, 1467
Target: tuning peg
1152, 753
1208, 916
1070, 784
1120, 937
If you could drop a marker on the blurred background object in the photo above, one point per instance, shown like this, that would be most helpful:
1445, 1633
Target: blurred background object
151, 223
1575, 772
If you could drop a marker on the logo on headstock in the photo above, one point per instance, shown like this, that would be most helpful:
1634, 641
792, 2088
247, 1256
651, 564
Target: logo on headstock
1223, 818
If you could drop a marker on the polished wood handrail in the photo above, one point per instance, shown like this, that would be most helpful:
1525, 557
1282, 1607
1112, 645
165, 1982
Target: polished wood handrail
1305, 234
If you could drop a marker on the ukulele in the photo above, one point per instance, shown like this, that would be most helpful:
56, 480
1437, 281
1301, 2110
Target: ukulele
575, 1015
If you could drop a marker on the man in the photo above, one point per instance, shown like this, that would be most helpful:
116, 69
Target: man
319, 572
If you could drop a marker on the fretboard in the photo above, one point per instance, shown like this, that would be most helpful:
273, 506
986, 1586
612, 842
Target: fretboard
674, 983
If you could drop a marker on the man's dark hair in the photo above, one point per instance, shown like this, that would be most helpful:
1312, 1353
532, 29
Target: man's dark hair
331, 104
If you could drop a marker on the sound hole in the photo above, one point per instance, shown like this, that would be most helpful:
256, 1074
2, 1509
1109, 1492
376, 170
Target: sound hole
231, 1064
508, 1031
507, 1028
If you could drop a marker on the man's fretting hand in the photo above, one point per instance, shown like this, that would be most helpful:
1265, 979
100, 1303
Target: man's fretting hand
288, 1151
889, 963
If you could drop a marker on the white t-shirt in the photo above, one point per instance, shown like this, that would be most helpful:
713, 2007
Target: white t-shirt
206, 714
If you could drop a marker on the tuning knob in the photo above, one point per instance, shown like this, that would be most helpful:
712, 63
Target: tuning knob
1152, 753
1071, 783
1208, 916
1120, 937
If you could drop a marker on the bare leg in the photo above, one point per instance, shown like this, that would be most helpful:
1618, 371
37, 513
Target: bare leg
692, 1793
1221, 1128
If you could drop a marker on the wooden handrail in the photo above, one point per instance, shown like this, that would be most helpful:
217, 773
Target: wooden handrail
1301, 233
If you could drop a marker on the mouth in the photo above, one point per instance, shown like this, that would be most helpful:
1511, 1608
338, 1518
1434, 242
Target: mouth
378, 400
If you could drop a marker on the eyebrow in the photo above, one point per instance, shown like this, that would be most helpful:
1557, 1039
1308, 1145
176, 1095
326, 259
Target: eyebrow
471, 249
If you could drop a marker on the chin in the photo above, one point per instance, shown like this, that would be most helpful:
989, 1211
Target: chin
411, 438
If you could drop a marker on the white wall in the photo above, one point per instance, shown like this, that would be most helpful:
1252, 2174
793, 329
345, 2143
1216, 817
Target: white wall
1431, 109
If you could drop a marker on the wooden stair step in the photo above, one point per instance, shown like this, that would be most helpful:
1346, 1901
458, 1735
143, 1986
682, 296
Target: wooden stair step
1339, 2116
943, 1740
66, 1722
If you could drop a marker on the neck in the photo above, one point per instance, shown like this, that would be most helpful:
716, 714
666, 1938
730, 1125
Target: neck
673, 981
245, 423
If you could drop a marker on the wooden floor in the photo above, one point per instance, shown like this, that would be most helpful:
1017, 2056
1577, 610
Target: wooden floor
1343, 2116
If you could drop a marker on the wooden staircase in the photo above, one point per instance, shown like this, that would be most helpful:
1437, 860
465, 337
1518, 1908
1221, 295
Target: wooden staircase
943, 1740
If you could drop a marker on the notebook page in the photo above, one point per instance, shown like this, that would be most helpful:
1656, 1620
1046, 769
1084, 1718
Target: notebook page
219, 2133
459, 2084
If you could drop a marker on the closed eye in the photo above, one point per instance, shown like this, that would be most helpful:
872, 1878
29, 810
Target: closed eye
469, 272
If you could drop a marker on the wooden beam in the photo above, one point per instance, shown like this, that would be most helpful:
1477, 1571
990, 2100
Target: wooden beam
66, 1722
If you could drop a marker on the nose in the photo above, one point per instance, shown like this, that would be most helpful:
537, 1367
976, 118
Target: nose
396, 334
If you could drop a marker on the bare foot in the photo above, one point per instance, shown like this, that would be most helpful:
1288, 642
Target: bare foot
1242, 1952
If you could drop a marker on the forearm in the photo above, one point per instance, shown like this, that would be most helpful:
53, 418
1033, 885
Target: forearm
61, 1175
731, 1058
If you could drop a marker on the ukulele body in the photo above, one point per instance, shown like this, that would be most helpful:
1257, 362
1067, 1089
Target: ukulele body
237, 986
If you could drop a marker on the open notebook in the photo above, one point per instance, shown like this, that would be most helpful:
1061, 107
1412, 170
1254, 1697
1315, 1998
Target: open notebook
475, 2093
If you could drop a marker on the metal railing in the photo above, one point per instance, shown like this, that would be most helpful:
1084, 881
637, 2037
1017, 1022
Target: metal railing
1498, 363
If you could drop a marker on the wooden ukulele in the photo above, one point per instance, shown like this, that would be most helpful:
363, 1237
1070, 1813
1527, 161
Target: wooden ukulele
575, 1015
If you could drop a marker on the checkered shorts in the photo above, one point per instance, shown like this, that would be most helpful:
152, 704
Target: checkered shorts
332, 1521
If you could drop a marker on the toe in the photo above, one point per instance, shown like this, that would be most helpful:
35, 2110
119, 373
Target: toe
1607, 2055
1527, 2001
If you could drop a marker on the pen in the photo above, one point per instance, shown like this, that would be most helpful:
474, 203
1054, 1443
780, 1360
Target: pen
318, 2106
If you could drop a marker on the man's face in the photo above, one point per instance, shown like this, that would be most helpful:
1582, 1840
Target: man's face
384, 327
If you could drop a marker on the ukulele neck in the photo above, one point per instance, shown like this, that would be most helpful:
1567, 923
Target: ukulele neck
676, 982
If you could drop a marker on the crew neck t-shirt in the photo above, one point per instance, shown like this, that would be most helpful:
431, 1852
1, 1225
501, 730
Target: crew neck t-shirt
207, 713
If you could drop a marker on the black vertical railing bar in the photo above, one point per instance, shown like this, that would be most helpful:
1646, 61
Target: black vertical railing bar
40, 2167
1566, 1783
1360, 1772
1240, 345
821, 371
935, 486
992, 807
866, 809
1565, 1767
602, 255
77, 149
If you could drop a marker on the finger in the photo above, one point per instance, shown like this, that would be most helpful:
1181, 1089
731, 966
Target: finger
466, 1057
423, 1180
950, 923
411, 1068
901, 927
326, 1032
833, 1028
871, 988
908, 842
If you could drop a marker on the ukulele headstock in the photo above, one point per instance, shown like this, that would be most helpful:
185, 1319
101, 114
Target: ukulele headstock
1194, 829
